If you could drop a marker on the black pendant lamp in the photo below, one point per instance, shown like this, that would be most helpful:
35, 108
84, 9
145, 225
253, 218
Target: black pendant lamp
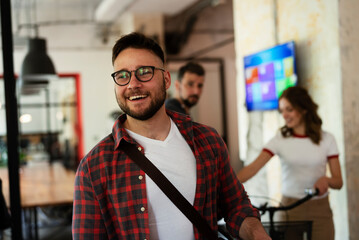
37, 68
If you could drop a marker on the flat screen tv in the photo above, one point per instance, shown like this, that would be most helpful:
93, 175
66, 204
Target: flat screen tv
267, 74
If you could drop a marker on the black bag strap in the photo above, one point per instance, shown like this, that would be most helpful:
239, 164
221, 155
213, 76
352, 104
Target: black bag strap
171, 191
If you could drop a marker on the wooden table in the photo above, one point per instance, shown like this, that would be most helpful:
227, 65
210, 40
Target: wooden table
41, 184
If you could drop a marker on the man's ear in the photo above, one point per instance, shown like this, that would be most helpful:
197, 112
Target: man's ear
167, 79
177, 85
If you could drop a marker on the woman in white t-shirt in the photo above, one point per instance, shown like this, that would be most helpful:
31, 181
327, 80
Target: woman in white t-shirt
305, 151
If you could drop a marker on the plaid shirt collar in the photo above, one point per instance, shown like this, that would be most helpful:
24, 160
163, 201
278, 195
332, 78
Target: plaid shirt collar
183, 123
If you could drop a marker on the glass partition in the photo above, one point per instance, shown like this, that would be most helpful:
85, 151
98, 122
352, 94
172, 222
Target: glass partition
49, 122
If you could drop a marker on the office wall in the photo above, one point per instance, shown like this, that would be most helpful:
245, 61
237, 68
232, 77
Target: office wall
349, 39
314, 26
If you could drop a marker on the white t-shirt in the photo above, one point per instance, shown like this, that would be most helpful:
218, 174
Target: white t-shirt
302, 161
175, 159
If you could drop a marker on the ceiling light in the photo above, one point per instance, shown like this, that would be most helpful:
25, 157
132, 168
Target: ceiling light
37, 68
25, 118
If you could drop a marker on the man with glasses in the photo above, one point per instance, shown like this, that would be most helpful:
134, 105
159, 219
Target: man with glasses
188, 88
114, 198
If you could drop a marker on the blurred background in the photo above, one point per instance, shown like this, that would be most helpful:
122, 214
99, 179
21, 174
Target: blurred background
63, 117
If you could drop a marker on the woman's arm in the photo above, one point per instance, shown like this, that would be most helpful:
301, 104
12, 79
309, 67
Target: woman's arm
249, 171
335, 181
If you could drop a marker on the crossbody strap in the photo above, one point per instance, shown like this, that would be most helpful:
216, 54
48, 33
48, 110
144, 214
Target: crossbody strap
171, 191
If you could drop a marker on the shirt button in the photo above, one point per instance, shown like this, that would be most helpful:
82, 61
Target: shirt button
140, 177
139, 149
143, 209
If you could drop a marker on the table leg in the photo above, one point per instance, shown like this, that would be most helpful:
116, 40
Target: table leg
36, 224
31, 224
28, 222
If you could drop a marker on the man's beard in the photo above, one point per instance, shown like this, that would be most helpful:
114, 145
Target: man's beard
149, 112
188, 103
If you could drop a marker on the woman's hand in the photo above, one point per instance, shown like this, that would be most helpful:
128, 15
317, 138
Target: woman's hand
322, 185
335, 181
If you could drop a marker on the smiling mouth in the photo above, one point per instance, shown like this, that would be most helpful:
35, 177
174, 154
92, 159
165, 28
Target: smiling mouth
137, 97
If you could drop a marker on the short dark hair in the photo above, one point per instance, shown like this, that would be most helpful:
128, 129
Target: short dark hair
139, 41
191, 67
300, 99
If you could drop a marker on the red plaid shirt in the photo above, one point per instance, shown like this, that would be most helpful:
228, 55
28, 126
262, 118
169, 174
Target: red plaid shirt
110, 190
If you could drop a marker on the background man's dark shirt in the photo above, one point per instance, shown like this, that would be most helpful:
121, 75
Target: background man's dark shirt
174, 105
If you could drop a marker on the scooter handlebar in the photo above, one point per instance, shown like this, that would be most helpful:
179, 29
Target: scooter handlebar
311, 191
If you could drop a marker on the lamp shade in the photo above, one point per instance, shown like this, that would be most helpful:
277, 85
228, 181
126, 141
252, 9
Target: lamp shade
37, 68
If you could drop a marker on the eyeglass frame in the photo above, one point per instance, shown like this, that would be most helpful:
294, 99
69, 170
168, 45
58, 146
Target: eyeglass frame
129, 79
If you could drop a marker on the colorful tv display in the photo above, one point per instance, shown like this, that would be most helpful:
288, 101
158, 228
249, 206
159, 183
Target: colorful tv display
267, 74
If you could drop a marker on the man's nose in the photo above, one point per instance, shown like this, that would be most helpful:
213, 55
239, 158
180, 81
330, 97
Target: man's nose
197, 90
134, 82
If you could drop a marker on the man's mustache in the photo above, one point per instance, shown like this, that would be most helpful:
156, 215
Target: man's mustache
194, 96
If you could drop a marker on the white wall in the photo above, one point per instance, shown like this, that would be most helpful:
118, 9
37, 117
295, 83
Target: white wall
98, 97
349, 38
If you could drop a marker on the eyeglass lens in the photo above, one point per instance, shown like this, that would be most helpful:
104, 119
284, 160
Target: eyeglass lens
142, 74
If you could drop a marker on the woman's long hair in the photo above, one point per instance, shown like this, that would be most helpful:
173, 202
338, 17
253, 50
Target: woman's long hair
301, 101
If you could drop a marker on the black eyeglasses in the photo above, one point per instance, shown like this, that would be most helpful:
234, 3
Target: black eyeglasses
143, 74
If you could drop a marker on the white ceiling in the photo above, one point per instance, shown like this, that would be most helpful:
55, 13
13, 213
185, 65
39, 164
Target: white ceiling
57, 10
168, 7
108, 10
26, 13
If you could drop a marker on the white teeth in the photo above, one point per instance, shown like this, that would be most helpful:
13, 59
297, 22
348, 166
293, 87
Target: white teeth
136, 97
